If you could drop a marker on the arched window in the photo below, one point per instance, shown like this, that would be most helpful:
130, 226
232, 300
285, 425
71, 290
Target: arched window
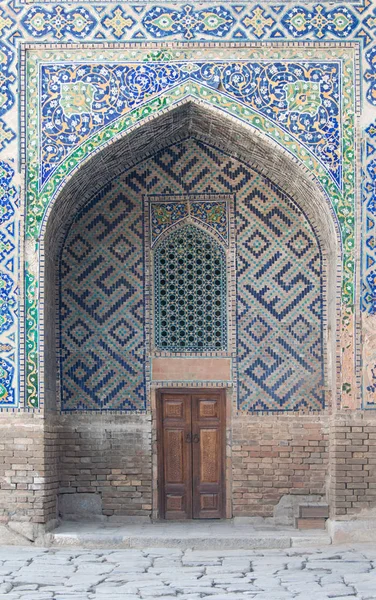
190, 292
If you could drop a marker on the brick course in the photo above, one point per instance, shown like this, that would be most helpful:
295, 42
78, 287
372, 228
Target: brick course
274, 455
108, 455
352, 463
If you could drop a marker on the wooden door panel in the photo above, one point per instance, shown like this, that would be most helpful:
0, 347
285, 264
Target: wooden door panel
208, 409
173, 408
176, 468
175, 471
210, 463
208, 455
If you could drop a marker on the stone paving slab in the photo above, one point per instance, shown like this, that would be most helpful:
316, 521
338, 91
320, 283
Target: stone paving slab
334, 573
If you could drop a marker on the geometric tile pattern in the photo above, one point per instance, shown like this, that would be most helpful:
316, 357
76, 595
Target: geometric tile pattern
279, 286
280, 360
190, 293
102, 306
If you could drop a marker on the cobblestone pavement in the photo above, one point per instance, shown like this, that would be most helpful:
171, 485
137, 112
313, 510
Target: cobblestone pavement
78, 574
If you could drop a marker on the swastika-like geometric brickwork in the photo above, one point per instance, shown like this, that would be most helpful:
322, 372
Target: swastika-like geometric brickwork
279, 304
101, 307
279, 297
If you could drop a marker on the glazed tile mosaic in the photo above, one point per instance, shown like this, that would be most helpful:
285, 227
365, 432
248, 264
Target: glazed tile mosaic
291, 95
279, 304
211, 212
79, 100
8, 287
306, 97
279, 356
101, 305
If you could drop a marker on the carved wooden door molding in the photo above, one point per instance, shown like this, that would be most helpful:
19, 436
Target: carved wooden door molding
191, 454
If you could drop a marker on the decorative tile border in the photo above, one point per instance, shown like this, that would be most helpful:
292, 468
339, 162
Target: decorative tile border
8, 287
368, 296
184, 20
31, 341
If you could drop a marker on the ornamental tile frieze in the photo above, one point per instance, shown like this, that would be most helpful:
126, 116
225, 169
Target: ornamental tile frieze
193, 20
80, 99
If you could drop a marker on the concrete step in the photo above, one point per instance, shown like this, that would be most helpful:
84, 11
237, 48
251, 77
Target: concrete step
203, 536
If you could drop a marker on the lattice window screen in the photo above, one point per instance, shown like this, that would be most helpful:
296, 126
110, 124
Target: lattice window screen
190, 292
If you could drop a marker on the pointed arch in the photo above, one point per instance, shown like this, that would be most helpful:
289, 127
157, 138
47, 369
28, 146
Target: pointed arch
213, 125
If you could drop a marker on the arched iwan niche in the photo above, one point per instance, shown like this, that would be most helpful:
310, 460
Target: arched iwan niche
278, 343
219, 157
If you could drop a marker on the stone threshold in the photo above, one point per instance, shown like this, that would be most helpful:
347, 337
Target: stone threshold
196, 535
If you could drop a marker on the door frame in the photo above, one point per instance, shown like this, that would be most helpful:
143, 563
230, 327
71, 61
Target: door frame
226, 469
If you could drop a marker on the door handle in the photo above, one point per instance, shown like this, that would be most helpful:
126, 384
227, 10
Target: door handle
188, 438
196, 438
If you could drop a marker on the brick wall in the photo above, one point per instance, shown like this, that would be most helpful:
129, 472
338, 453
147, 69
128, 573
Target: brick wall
271, 456
109, 455
353, 463
277, 455
27, 475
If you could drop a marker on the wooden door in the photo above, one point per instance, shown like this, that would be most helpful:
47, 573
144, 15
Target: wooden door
191, 451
